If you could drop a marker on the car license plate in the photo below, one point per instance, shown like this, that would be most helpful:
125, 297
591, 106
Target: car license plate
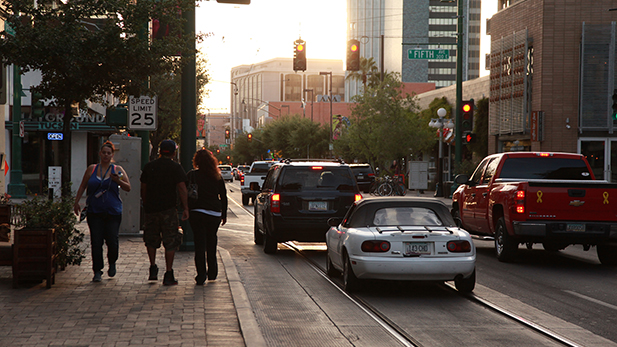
318, 205
575, 227
415, 248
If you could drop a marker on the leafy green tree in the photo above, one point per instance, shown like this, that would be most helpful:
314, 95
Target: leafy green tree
368, 74
384, 125
167, 87
89, 50
293, 136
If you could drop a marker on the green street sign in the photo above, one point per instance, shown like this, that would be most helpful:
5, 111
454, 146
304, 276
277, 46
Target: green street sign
428, 53
8, 29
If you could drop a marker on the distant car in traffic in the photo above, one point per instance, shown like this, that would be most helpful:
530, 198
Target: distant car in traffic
226, 172
401, 238
298, 197
365, 176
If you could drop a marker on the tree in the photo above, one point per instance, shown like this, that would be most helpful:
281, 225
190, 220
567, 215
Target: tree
167, 87
369, 73
89, 50
292, 135
384, 125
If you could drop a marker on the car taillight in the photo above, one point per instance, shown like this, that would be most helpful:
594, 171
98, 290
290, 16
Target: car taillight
371, 175
242, 180
459, 246
275, 203
519, 199
358, 197
375, 246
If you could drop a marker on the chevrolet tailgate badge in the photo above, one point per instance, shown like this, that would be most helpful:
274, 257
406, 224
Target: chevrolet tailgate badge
576, 203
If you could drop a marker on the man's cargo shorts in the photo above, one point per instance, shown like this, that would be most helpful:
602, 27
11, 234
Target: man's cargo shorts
162, 226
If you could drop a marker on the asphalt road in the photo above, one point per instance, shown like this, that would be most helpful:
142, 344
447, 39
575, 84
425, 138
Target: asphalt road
568, 292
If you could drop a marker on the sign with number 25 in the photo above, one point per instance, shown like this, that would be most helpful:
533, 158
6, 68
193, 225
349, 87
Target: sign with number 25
142, 113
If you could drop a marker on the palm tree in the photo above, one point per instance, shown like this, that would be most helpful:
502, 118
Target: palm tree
368, 73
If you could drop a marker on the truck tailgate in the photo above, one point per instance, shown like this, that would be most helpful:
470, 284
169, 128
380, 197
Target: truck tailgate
572, 200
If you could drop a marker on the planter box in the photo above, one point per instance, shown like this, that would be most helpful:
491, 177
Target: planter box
34, 256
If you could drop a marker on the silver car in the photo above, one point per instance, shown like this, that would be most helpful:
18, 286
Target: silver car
226, 172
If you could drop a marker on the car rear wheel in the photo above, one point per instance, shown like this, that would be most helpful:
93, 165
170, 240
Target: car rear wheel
270, 244
607, 254
330, 270
466, 285
505, 247
258, 237
350, 281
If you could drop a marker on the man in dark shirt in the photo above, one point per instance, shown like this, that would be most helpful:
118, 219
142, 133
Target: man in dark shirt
162, 181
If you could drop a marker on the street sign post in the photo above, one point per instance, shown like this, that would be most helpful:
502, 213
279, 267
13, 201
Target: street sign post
415, 53
142, 113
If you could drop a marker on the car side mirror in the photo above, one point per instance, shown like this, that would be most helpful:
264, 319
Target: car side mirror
461, 179
334, 221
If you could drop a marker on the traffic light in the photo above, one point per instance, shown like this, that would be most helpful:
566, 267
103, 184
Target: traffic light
227, 134
36, 105
249, 137
218, 151
470, 138
614, 114
353, 55
467, 117
299, 55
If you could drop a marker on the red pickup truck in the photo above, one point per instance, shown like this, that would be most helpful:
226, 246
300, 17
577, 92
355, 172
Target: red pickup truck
533, 197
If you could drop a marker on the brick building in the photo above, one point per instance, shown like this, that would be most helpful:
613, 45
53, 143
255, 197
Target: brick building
552, 79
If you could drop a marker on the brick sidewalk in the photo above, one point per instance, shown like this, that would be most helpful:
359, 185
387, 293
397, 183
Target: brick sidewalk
126, 310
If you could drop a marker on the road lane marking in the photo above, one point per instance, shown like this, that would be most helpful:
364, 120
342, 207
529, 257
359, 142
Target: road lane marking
605, 304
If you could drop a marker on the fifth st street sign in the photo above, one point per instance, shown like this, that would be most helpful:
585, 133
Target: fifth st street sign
428, 54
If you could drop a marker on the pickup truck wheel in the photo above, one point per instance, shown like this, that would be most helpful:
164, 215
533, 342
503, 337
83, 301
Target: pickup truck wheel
466, 285
505, 247
607, 255
258, 237
350, 281
456, 214
245, 199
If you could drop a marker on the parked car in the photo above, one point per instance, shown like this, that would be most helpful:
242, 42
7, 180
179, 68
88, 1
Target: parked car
402, 238
538, 197
226, 172
365, 176
251, 183
298, 197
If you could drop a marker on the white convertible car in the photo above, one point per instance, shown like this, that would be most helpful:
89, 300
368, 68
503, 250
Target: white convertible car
400, 238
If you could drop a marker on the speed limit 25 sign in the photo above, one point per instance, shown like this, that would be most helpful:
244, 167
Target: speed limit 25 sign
142, 113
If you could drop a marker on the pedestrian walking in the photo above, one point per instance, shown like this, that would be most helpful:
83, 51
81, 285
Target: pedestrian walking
162, 181
102, 183
207, 198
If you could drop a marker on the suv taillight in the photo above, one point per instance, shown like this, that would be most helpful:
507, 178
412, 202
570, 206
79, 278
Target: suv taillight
358, 197
519, 200
275, 203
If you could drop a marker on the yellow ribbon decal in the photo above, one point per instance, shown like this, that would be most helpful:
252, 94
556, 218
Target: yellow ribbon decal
605, 195
539, 194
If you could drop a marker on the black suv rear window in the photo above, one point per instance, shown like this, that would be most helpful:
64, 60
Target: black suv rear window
545, 168
327, 178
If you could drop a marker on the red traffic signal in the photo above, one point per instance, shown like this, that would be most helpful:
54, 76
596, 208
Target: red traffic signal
353, 55
249, 137
227, 134
299, 62
470, 137
467, 116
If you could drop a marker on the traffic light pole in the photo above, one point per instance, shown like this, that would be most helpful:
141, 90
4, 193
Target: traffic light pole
459, 87
17, 189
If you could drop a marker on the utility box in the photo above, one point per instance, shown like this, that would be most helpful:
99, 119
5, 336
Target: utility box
128, 155
418, 175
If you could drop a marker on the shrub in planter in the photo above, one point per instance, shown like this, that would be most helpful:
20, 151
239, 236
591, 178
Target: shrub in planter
56, 214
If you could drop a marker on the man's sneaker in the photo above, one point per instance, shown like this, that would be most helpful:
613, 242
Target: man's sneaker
169, 279
154, 272
112, 270
97, 276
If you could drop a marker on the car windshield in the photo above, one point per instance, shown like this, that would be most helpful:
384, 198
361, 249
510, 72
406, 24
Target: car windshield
391, 216
223, 168
545, 168
299, 178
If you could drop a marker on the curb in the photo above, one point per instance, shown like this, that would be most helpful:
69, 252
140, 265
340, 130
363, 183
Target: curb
246, 317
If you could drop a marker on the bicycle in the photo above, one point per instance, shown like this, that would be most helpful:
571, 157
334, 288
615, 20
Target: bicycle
388, 186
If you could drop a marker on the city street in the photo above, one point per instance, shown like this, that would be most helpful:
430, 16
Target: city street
286, 300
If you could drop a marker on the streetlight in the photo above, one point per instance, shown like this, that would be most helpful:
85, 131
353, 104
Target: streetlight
330, 91
312, 99
440, 124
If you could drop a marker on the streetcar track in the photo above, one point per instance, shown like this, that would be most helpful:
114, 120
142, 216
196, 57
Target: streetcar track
401, 335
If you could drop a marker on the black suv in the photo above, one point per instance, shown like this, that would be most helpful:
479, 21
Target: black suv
297, 199
365, 176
